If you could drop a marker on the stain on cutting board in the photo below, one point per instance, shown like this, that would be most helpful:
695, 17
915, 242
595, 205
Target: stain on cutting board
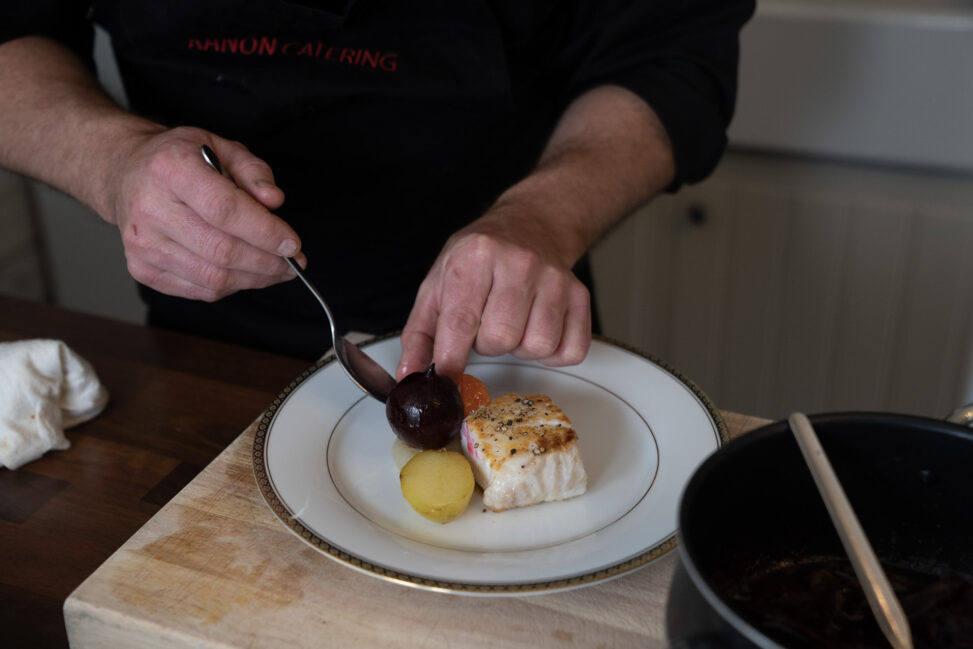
210, 567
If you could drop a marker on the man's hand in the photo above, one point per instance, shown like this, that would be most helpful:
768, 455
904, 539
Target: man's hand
191, 232
187, 230
498, 286
503, 284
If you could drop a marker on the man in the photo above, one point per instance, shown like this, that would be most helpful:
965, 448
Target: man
446, 164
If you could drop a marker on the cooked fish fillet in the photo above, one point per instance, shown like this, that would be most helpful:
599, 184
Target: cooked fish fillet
523, 451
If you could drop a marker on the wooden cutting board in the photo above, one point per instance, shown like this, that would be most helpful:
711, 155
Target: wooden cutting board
215, 569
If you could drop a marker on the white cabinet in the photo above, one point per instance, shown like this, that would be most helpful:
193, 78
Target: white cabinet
781, 284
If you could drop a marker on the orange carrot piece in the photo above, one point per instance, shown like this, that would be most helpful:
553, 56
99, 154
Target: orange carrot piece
474, 394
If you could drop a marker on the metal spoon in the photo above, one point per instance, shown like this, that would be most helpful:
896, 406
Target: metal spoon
359, 366
878, 591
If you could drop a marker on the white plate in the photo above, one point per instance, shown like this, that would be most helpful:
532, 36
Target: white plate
322, 458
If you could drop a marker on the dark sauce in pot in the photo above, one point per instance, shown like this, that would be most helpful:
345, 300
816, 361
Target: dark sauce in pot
819, 603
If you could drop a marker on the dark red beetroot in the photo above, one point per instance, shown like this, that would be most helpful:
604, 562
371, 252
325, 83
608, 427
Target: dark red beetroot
425, 409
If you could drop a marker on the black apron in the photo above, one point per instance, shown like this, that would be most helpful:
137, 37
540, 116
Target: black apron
389, 126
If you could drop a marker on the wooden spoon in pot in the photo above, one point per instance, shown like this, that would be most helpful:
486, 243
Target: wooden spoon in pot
878, 591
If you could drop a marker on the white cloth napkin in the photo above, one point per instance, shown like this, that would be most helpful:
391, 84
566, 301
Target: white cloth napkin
45, 387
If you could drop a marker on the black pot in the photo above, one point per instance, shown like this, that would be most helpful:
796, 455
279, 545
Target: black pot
751, 514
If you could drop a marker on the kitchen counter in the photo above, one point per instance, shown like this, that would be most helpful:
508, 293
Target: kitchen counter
213, 567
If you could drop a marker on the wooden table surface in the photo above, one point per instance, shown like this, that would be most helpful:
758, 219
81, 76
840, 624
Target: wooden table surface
176, 403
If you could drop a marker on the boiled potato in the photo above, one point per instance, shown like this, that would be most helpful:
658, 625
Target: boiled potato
437, 484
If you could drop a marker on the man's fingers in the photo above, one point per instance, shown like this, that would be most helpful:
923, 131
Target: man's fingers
464, 292
545, 323
165, 281
227, 207
495, 297
251, 174
419, 331
576, 334
189, 275
188, 230
505, 316
416, 353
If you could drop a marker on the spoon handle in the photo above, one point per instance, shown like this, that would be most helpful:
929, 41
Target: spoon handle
210, 157
878, 591
359, 366
324, 305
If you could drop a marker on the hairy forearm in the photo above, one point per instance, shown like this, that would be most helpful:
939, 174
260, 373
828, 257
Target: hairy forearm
608, 154
58, 125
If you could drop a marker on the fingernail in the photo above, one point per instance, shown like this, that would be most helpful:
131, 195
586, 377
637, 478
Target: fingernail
264, 184
287, 247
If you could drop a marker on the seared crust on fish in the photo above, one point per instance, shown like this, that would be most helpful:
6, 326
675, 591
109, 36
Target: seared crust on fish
524, 451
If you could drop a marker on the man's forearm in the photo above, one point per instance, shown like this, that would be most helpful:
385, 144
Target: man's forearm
57, 124
608, 154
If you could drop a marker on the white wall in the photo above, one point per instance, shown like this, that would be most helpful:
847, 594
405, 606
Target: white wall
884, 81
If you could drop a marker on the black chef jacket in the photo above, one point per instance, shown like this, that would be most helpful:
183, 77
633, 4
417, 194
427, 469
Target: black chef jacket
389, 125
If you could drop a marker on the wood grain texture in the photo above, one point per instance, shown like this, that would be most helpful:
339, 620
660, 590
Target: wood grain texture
215, 569
176, 402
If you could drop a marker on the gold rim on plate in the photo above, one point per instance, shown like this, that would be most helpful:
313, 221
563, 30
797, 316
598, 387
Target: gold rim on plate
294, 524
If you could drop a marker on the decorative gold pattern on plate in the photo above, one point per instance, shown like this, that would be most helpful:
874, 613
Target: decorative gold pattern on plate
611, 572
